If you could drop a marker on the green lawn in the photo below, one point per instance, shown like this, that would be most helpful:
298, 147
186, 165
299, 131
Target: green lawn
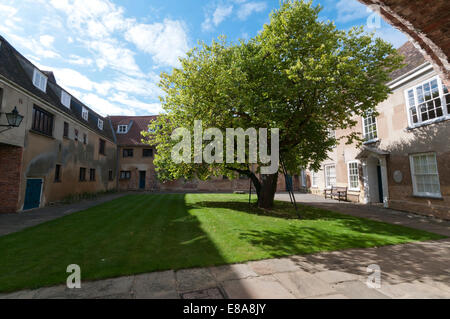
142, 233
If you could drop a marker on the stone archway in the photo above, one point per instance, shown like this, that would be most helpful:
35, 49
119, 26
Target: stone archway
426, 23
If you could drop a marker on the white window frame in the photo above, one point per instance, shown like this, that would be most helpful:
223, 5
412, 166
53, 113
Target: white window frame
445, 114
303, 178
100, 124
413, 177
121, 126
348, 176
314, 178
326, 175
364, 128
65, 99
39, 80
85, 113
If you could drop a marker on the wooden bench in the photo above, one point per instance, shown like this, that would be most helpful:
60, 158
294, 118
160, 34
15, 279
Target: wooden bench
336, 192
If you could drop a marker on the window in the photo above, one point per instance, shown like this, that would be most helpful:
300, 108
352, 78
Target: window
147, 152
127, 152
314, 179
446, 97
42, 121
303, 177
353, 176
66, 129
65, 99
92, 174
84, 138
122, 129
58, 173
110, 175
370, 128
82, 174
427, 101
100, 124
101, 148
39, 80
75, 132
84, 113
425, 175
125, 174
330, 176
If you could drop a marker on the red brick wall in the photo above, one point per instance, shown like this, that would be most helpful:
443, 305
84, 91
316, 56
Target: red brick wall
10, 167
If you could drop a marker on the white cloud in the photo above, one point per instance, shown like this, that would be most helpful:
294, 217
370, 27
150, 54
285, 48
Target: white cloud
46, 40
166, 41
78, 60
248, 8
125, 99
105, 107
217, 17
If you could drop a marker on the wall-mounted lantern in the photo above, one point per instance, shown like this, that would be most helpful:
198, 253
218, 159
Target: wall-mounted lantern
14, 119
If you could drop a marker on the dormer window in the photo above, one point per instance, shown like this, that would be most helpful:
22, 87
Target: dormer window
122, 129
100, 124
85, 114
65, 99
39, 80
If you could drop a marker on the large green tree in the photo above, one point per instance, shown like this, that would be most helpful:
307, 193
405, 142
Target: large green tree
299, 74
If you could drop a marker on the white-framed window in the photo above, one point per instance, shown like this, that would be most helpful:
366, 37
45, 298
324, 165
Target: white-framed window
353, 175
39, 80
427, 102
425, 176
100, 124
370, 128
303, 178
65, 99
314, 179
122, 129
330, 175
85, 113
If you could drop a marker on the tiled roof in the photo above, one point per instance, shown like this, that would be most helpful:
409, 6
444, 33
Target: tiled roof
413, 59
16, 68
136, 124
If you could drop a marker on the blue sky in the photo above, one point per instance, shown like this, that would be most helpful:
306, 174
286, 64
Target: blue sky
109, 53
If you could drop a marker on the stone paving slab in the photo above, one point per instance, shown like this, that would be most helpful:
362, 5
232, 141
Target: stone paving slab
155, 285
234, 271
358, 290
263, 287
194, 279
302, 284
270, 266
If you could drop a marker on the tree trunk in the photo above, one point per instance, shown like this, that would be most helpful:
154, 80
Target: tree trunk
266, 194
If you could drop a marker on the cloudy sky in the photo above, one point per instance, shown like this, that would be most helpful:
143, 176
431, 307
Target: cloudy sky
109, 53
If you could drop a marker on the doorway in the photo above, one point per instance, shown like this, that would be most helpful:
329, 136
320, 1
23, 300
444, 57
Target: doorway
141, 179
33, 193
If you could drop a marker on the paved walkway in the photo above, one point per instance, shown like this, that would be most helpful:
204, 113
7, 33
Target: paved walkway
374, 212
414, 270
11, 223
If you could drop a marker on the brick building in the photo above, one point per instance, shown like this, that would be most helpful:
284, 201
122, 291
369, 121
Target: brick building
404, 161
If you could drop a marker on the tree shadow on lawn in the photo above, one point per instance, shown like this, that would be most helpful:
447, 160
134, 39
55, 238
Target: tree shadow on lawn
332, 234
323, 220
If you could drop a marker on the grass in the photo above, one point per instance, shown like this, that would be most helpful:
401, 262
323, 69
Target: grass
143, 233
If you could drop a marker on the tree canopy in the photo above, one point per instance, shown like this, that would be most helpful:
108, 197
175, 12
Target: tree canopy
299, 74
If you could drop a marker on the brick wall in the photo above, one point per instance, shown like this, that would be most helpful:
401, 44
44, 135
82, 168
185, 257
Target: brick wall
10, 164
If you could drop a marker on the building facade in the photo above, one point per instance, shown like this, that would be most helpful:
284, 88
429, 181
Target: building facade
404, 162
61, 148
